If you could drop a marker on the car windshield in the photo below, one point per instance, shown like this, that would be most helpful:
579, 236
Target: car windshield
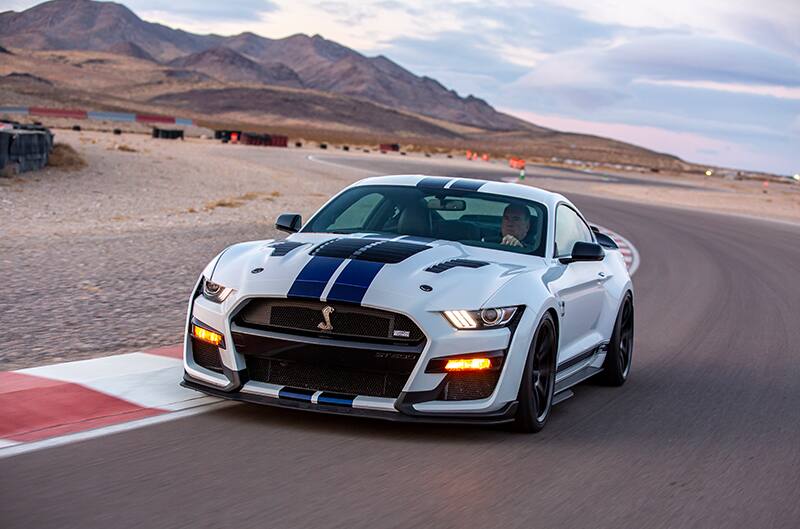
469, 217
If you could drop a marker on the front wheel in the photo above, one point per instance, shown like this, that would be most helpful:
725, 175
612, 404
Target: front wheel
617, 364
538, 379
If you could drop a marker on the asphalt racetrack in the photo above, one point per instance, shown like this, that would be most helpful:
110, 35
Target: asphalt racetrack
705, 434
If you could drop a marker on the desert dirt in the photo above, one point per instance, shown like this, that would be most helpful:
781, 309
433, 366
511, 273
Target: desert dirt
102, 259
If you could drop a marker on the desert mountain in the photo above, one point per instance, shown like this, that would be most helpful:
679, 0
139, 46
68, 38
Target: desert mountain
224, 64
131, 50
89, 25
317, 62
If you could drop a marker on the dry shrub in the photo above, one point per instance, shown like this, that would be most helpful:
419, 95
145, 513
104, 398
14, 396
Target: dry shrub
64, 156
223, 203
126, 148
235, 202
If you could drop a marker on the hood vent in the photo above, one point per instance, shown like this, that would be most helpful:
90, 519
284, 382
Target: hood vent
341, 248
391, 252
282, 248
375, 250
447, 265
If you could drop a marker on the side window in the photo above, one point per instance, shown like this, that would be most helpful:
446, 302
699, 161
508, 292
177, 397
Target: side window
357, 214
570, 229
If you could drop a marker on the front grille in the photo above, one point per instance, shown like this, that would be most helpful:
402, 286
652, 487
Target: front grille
471, 386
206, 355
348, 321
324, 367
319, 378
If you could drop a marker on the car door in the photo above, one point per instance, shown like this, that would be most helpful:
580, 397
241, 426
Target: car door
580, 288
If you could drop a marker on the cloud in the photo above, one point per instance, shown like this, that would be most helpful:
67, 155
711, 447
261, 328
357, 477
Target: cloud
698, 148
772, 25
206, 12
703, 58
716, 69
781, 92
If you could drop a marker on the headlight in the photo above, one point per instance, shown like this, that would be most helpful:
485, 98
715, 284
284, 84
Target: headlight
215, 292
480, 319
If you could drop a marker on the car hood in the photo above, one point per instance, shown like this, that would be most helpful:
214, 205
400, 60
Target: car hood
399, 273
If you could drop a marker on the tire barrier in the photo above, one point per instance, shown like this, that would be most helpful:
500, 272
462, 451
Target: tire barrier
24, 148
94, 115
168, 134
323, 145
253, 138
225, 135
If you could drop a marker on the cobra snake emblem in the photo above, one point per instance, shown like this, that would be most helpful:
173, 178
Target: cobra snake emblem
326, 315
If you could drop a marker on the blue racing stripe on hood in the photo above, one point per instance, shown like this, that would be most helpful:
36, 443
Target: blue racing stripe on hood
353, 282
313, 278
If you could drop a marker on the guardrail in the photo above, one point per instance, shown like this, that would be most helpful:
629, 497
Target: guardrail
71, 113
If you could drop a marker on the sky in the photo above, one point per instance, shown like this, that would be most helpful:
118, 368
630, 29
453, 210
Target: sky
713, 81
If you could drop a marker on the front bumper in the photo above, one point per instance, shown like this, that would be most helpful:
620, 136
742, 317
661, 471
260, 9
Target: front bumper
420, 399
293, 400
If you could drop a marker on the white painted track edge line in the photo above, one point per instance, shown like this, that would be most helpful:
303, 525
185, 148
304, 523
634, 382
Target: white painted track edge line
23, 448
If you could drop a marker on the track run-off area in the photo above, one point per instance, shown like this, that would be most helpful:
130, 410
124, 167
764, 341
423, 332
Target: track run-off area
706, 432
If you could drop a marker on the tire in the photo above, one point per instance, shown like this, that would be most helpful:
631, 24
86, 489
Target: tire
538, 383
617, 365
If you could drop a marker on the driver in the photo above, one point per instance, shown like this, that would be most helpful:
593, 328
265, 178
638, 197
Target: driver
515, 226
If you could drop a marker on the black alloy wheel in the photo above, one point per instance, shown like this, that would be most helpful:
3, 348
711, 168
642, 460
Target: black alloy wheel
538, 379
617, 365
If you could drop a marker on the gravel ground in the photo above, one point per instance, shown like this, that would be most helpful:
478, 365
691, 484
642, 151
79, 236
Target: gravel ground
101, 260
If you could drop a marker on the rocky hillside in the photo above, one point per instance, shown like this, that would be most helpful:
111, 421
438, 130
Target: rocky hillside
299, 60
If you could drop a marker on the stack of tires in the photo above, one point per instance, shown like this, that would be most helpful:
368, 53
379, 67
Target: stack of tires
168, 134
24, 148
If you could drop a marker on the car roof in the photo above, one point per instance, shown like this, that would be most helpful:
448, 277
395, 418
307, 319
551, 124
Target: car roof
543, 196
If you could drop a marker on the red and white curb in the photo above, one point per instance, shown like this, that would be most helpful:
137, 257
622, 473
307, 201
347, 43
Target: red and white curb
47, 406
629, 252
51, 405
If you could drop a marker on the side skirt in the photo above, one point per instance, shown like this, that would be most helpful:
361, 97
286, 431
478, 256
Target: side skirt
575, 378
562, 390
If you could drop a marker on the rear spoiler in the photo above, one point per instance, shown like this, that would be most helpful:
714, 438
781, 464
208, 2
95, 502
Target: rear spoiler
604, 240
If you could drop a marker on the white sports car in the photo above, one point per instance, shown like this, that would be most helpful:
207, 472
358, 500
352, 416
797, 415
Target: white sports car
416, 298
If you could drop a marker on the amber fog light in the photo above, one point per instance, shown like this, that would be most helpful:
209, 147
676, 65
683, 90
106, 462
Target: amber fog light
206, 335
468, 364
488, 361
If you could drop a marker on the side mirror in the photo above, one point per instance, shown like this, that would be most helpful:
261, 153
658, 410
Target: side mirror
585, 251
289, 222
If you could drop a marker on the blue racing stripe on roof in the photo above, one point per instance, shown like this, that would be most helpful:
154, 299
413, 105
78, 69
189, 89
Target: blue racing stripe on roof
313, 278
353, 282
337, 399
467, 184
436, 182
